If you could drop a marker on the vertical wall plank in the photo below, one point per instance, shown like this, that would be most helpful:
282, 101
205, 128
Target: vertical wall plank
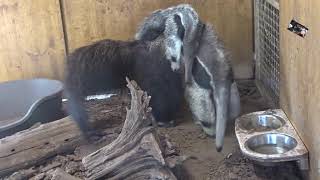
32, 43
92, 20
32, 35
300, 75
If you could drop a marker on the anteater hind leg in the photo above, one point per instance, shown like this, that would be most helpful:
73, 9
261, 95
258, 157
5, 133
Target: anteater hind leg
161, 111
234, 105
77, 111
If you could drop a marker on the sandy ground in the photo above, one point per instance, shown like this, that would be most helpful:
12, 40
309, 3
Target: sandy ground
206, 163
203, 162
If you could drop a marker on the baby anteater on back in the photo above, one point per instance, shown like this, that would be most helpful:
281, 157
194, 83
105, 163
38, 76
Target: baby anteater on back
103, 66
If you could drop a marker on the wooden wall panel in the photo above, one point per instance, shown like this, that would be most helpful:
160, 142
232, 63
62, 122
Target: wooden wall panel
300, 74
32, 43
90, 20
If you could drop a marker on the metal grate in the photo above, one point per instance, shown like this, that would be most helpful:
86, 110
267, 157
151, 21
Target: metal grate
267, 48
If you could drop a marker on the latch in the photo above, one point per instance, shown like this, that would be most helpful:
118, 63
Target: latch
297, 28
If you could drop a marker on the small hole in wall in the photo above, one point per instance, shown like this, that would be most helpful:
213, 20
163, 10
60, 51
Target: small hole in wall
13, 150
66, 140
46, 143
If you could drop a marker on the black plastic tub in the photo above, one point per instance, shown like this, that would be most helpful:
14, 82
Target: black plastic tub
24, 103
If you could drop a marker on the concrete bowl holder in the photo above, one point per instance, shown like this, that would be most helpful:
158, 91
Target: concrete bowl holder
24, 103
268, 138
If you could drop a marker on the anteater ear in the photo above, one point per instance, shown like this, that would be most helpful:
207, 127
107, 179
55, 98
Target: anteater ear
181, 29
174, 33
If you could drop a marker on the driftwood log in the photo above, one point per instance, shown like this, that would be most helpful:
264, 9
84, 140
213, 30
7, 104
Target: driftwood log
136, 153
59, 174
31, 147
34, 146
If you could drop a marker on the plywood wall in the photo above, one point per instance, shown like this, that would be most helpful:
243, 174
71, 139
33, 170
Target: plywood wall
32, 31
300, 74
32, 43
90, 20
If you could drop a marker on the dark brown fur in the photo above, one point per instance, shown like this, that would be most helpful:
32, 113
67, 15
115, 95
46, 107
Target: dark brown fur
104, 65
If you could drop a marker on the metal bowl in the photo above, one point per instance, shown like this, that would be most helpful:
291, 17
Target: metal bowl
24, 103
271, 143
259, 123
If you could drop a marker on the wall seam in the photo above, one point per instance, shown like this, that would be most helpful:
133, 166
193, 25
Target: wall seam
64, 27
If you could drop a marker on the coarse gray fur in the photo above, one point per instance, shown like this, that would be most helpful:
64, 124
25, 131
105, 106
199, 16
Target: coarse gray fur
223, 93
161, 22
211, 91
213, 59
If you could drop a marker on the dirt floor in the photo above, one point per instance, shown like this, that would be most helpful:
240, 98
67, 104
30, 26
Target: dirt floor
200, 159
206, 163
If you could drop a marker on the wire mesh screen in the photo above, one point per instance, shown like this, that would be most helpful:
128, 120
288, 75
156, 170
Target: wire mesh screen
267, 48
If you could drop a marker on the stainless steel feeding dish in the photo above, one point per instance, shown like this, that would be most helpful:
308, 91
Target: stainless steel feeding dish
263, 122
268, 138
271, 143
26, 102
